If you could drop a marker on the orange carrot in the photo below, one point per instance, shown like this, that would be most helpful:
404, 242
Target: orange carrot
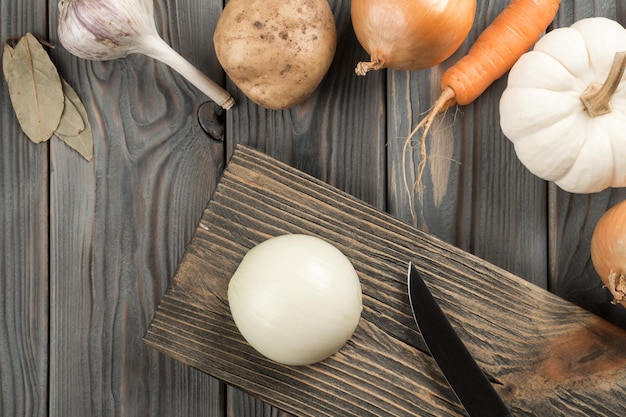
513, 32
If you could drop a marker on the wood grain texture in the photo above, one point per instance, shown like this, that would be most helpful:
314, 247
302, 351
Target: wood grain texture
120, 224
89, 249
545, 356
24, 175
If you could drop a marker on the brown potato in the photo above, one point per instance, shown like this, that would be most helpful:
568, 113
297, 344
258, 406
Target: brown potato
276, 51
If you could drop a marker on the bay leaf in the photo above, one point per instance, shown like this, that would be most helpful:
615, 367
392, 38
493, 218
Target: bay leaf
71, 122
7, 56
82, 141
35, 89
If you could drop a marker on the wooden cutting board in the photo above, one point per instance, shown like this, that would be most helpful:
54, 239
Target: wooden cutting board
544, 355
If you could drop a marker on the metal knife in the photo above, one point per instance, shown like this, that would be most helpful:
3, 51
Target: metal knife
468, 381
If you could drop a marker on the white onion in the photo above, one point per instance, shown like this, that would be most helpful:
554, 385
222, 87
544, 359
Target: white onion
296, 299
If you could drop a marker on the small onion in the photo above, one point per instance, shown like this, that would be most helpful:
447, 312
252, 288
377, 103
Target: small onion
296, 299
608, 251
410, 34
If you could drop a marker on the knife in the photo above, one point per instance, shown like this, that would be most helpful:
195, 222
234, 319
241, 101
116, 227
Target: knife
467, 380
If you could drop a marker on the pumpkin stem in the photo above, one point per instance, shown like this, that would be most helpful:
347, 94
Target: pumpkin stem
597, 97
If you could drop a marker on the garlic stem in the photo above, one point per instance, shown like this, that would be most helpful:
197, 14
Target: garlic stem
597, 97
155, 47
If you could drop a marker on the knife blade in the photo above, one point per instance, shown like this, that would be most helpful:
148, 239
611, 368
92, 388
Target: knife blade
459, 368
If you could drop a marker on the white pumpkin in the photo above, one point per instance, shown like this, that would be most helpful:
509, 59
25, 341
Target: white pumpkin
542, 113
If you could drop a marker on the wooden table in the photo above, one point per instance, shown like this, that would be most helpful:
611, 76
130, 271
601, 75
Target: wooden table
89, 248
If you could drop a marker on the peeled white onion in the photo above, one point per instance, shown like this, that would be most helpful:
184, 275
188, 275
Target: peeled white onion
296, 299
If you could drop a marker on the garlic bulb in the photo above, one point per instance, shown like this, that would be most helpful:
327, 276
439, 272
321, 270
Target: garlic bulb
109, 29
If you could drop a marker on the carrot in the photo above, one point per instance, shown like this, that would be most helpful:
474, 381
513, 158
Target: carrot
513, 32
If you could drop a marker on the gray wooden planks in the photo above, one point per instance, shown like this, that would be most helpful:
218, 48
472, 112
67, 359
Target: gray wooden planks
120, 224
24, 204
134, 208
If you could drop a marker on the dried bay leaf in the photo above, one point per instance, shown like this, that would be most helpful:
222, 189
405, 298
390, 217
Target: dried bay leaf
71, 123
6, 61
82, 140
66, 118
82, 143
35, 89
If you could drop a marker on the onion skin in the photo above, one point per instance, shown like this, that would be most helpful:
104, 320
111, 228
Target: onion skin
410, 34
608, 251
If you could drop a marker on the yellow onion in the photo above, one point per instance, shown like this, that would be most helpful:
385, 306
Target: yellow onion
608, 251
410, 34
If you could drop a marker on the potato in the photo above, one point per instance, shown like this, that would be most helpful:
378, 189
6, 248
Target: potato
276, 51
